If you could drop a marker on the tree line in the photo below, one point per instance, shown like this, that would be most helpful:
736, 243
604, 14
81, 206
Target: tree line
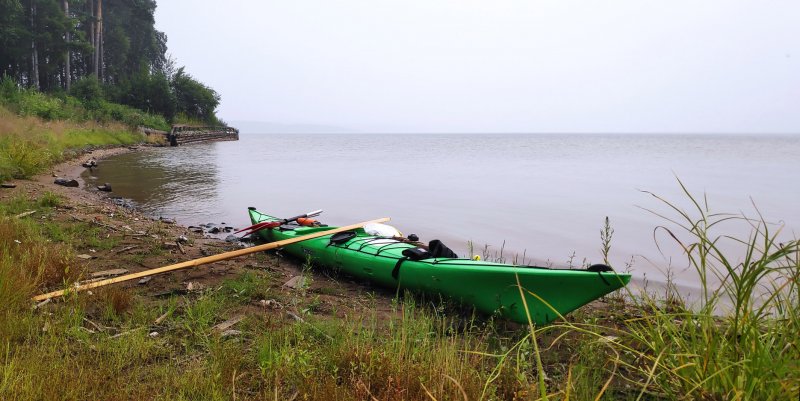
99, 49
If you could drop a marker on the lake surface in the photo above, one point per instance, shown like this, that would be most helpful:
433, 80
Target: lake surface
544, 196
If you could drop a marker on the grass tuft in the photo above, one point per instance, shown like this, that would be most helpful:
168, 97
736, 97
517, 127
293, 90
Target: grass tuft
733, 344
28, 263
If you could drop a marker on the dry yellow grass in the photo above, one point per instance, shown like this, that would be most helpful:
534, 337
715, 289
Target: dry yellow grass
30, 144
13, 124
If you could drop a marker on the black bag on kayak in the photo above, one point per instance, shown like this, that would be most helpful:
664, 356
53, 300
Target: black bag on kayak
341, 238
439, 250
600, 268
416, 253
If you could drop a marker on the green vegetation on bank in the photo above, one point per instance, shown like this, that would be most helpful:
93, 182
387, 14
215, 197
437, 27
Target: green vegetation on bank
29, 145
84, 105
638, 347
38, 129
103, 53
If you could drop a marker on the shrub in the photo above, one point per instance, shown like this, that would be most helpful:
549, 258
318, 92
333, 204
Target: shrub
33, 103
22, 157
108, 112
8, 90
89, 91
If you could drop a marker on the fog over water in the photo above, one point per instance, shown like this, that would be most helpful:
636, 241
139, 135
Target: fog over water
565, 66
542, 195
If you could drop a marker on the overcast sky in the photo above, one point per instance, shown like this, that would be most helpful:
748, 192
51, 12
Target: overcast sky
718, 66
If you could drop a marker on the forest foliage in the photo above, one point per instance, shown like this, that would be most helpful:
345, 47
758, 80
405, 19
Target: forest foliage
99, 51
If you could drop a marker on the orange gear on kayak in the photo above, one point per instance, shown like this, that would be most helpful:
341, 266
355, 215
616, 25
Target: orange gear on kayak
304, 221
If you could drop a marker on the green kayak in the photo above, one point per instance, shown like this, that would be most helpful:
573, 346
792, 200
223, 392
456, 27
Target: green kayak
489, 287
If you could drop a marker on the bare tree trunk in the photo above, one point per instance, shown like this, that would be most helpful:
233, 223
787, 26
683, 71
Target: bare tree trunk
34, 50
98, 40
91, 23
91, 35
67, 55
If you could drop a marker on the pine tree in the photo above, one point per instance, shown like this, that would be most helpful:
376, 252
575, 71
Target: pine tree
67, 53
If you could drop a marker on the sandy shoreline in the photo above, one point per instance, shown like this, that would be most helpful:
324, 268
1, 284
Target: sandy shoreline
72, 169
142, 242
69, 169
127, 227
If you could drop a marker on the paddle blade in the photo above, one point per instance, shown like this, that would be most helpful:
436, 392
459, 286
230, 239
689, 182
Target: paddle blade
273, 224
259, 226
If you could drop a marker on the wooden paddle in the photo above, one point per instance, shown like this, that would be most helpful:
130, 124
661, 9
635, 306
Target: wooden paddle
205, 260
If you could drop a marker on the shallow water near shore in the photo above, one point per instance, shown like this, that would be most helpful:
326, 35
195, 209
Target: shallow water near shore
541, 196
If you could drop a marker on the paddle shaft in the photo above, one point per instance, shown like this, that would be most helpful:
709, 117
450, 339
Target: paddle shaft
205, 260
309, 214
276, 223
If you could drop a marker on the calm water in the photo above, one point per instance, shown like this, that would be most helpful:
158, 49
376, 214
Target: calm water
545, 195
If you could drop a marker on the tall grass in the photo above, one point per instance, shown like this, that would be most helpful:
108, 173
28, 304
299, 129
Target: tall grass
37, 129
28, 145
740, 341
28, 263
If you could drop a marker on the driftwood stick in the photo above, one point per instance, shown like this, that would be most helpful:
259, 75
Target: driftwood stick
180, 247
127, 248
94, 222
23, 214
205, 260
162, 317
